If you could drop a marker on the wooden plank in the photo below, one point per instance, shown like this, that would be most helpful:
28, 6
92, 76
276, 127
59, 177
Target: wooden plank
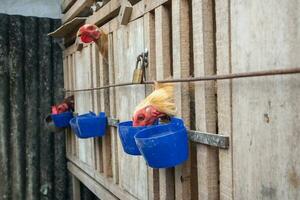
83, 100
163, 70
128, 43
181, 69
72, 79
110, 10
163, 42
76, 188
112, 109
76, 9
125, 12
106, 182
66, 86
68, 27
149, 40
104, 14
66, 5
96, 105
105, 107
223, 51
93, 186
205, 99
265, 110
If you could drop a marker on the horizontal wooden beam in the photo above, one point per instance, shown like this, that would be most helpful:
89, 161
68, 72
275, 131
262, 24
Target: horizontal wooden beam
105, 182
104, 14
77, 9
90, 183
66, 5
111, 9
68, 27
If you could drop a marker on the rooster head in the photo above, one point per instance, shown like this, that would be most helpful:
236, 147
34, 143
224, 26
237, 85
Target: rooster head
89, 33
159, 104
146, 116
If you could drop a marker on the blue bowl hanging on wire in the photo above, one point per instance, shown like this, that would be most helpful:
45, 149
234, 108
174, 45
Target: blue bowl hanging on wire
89, 125
164, 145
62, 120
127, 133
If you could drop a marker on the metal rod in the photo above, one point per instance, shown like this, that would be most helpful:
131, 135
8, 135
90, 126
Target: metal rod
204, 78
211, 139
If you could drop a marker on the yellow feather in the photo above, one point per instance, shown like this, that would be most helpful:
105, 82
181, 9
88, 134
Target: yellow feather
162, 98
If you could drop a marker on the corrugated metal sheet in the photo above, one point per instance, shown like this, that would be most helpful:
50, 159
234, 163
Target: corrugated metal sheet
32, 159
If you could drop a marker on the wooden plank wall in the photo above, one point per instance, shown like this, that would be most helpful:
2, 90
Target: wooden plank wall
163, 33
185, 39
263, 162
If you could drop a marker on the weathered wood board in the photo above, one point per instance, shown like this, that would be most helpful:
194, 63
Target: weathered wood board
205, 98
83, 100
264, 114
128, 44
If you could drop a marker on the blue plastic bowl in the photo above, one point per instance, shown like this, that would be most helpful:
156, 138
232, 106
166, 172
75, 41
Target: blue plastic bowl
164, 145
89, 125
62, 120
127, 133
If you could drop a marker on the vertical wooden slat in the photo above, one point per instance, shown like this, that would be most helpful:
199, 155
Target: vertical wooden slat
45, 80
163, 71
112, 109
76, 188
104, 96
181, 69
149, 40
72, 81
68, 131
83, 100
97, 105
5, 183
32, 101
17, 127
205, 100
129, 43
223, 52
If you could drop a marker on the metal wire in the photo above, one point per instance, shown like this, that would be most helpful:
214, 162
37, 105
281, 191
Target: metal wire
203, 78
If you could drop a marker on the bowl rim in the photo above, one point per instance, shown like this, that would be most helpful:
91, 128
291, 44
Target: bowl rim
158, 135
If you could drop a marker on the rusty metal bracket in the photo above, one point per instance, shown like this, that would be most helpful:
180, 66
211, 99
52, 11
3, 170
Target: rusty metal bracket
113, 122
215, 140
210, 139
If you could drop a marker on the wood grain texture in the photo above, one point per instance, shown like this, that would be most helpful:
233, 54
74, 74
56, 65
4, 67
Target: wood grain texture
223, 52
93, 186
265, 110
96, 101
128, 44
106, 182
163, 70
105, 107
106, 13
150, 71
76, 188
112, 109
83, 100
78, 7
205, 99
181, 69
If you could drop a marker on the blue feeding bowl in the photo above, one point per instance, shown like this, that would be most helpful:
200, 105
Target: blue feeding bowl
89, 125
164, 145
127, 133
62, 120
